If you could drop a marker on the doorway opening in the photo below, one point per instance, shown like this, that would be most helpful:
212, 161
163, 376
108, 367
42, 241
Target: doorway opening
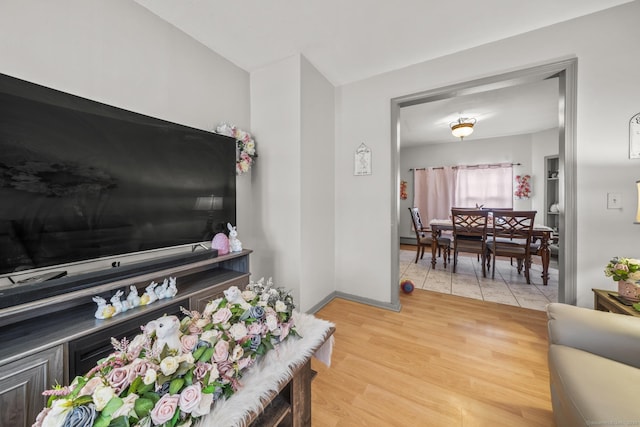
566, 73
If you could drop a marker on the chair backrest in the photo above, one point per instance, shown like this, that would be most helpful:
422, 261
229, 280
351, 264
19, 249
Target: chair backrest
469, 222
515, 225
417, 221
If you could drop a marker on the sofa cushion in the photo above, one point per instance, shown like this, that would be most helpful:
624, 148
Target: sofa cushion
589, 390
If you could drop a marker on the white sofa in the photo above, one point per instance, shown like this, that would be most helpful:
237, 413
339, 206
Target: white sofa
594, 367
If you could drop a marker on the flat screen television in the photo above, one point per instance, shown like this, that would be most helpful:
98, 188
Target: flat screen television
81, 180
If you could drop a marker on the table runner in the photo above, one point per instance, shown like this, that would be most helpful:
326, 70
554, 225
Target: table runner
276, 366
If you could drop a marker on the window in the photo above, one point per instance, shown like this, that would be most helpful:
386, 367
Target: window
488, 186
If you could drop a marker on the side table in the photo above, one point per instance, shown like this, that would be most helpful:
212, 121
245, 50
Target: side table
604, 301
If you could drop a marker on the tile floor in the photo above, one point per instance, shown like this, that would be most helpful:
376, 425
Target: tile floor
508, 287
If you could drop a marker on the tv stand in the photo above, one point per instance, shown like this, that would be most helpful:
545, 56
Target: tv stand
53, 338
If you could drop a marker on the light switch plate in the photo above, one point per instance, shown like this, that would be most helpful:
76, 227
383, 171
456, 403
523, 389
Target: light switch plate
614, 201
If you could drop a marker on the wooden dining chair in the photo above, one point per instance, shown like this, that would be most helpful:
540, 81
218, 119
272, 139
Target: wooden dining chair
469, 234
510, 236
424, 238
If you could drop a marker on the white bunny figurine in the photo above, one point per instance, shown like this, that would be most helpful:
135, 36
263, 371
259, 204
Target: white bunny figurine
104, 310
118, 305
149, 295
162, 289
133, 299
172, 290
167, 329
235, 245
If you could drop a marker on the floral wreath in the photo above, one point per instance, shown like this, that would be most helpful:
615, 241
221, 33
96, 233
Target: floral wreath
245, 146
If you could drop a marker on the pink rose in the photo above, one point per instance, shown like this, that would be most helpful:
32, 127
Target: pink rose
190, 398
221, 316
256, 329
165, 408
243, 363
138, 368
221, 351
90, 386
188, 342
120, 378
201, 370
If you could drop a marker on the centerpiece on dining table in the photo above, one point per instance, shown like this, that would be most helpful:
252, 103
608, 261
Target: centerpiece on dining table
177, 369
625, 271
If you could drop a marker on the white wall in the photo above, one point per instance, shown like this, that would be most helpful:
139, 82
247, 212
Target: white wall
292, 108
607, 97
119, 53
509, 149
275, 113
317, 179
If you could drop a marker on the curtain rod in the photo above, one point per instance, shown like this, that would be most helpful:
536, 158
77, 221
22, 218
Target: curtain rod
468, 166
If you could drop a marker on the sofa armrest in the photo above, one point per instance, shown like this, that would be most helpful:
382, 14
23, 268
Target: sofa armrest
610, 335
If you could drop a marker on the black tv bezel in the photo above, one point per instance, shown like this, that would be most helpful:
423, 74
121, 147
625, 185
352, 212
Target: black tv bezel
27, 292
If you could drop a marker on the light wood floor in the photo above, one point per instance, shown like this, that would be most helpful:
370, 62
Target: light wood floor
443, 360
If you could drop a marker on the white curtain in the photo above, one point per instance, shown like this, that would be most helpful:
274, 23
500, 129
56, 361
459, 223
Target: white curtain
434, 192
488, 186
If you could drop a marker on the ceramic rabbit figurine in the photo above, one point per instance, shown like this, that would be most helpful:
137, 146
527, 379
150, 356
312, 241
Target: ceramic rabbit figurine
235, 245
119, 306
149, 295
172, 290
162, 289
133, 298
104, 310
167, 329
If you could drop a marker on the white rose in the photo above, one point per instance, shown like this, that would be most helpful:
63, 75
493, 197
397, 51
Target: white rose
237, 353
248, 295
250, 148
102, 395
210, 336
187, 357
204, 406
272, 322
238, 331
281, 307
150, 376
128, 404
214, 374
169, 365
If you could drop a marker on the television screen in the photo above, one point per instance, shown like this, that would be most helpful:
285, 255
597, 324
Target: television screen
81, 180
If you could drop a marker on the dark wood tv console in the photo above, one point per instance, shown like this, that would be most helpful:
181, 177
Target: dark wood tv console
50, 340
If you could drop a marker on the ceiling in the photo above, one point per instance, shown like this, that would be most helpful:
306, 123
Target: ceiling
522, 109
350, 40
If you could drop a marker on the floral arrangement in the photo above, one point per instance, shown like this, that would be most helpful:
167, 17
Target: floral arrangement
245, 146
175, 370
623, 269
403, 190
523, 186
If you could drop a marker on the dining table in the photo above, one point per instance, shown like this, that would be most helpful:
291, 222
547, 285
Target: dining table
542, 232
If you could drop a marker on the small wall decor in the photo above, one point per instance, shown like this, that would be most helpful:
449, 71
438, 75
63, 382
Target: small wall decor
403, 190
523, 186
245, 146
362, 164
634, 137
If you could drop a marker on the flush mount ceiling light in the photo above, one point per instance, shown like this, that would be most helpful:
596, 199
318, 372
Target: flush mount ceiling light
463, 127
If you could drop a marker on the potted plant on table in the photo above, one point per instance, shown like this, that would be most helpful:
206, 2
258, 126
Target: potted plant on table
625, 271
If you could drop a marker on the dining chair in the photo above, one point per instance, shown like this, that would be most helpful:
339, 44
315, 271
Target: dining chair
511, 236
469, 233
424, 239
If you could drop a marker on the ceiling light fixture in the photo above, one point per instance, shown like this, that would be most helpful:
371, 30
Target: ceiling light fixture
463, 127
